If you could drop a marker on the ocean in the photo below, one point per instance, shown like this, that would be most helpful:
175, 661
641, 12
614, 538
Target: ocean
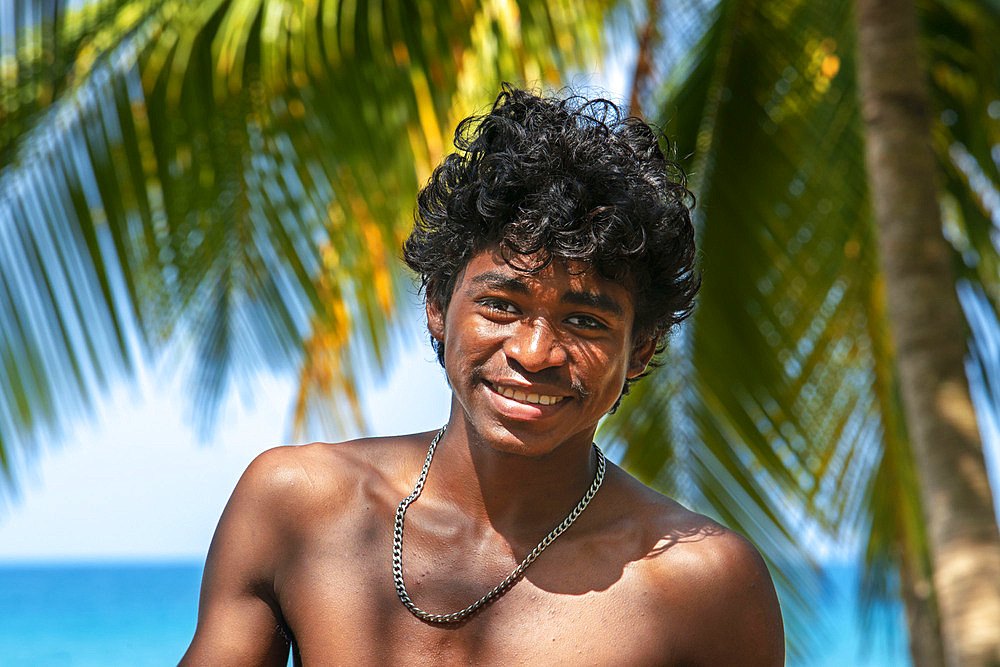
135, 614
97, 614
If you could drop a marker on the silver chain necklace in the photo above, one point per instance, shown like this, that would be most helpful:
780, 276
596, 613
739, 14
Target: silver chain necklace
503, 586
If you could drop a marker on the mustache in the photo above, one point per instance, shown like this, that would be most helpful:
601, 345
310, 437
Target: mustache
550, 376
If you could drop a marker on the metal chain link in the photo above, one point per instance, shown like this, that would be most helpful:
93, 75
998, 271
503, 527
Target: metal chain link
503, 586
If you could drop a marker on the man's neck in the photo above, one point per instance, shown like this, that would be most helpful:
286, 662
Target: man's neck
519, 496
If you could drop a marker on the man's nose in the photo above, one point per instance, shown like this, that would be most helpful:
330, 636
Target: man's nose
535, 346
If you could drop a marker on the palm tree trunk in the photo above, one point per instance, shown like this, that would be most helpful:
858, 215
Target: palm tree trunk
926, 649
647, 40
928, 332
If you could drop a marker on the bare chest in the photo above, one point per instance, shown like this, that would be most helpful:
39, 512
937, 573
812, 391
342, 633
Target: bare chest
340, 603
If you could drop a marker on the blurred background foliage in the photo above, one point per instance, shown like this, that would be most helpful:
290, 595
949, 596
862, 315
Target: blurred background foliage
235, 177
235, 174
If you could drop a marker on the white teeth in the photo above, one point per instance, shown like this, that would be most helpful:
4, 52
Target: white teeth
538, 399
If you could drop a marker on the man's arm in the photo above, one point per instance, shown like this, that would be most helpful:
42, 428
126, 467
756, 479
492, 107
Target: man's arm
740, 620
238, 616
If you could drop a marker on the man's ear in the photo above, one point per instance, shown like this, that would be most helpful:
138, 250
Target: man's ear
435, 319
642, 352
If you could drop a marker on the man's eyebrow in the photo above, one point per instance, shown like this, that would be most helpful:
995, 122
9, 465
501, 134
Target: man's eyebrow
596, 300
500, 282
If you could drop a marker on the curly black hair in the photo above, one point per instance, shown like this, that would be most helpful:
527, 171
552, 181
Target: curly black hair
570, 179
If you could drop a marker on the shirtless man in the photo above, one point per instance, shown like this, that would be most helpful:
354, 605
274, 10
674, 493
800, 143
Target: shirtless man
556, 252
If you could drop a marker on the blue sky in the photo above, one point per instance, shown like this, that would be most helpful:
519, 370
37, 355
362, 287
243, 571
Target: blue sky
134, 482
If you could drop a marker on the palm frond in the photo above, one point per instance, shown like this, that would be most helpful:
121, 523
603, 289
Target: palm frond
786, 366
234, 175
774, 415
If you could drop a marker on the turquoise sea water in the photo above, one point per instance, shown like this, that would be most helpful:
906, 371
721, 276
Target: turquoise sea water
144, 614
97, 614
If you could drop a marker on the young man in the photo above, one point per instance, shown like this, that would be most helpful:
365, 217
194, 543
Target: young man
556, 251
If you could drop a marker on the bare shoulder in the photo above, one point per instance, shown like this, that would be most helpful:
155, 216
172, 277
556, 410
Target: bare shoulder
713, 578
283, 493
300, 480
286, 495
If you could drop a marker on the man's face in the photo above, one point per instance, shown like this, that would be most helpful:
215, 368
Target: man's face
535, 360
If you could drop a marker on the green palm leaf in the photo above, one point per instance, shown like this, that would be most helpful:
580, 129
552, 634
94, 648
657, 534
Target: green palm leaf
786, 370
231, 176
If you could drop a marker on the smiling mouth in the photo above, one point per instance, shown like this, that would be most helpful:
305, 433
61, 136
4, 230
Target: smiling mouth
524, 397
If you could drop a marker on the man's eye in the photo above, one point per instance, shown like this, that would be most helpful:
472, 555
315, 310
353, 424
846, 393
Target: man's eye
585, 322
499, 305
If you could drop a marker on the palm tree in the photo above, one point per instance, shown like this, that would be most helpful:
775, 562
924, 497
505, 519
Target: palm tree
928, 331
231, 177
789, 351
